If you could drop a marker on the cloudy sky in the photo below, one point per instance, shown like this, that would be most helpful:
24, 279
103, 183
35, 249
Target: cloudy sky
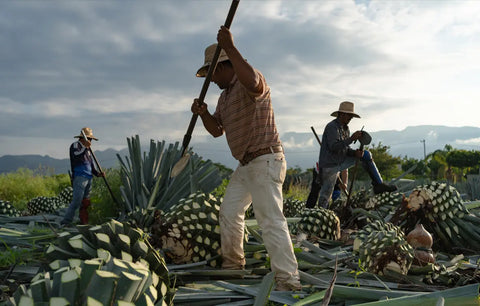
128, 67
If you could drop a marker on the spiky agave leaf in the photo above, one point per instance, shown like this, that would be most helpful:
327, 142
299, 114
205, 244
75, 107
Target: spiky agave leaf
147, 184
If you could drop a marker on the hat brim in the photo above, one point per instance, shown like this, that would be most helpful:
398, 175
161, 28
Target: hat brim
335, 114
80, 136
202, 72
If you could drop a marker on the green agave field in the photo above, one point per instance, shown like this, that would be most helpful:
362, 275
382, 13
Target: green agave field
412, 247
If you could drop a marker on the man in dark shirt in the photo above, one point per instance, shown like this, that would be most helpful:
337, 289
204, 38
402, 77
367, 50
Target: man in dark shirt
336, 154
83, 169
316, 186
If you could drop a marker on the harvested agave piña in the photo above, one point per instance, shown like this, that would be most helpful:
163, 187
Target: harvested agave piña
381, 247
319, 222
66, 195
190, 230
440, 209
113, 239
96, 281
43, 205
292, 207
7, 209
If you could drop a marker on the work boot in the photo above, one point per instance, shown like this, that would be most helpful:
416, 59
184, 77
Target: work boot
83, 213
237, 271
378, 185
288, 286
381, 188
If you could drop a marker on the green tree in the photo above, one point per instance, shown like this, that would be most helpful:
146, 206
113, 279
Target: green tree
437, 163
420, 170
463, 160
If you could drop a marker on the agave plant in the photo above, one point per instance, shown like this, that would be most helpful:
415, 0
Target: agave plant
439, 207
383, 246
148, 184
98, 281
119, 239
7, 209
190, 231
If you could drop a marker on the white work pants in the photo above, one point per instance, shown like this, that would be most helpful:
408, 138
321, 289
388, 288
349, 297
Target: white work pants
259, 182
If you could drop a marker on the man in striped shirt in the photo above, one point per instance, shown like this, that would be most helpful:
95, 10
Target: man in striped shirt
244, 113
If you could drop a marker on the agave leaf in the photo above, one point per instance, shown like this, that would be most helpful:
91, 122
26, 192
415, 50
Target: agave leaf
105, 280
146, 181
69, 286
465, 295
276, 296
264, 289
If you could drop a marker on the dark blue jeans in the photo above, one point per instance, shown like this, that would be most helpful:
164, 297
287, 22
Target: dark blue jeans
81, 190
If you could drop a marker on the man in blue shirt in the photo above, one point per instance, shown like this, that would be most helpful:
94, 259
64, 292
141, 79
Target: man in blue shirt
336, 154
83, 169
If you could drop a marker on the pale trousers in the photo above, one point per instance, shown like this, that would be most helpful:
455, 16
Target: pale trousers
260, 183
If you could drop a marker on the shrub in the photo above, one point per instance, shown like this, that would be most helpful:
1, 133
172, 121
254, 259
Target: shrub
24, 184
103, 207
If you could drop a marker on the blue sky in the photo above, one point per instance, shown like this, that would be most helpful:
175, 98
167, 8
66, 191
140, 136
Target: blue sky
128, 67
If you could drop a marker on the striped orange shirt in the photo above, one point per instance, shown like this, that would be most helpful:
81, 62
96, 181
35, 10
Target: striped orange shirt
248, 121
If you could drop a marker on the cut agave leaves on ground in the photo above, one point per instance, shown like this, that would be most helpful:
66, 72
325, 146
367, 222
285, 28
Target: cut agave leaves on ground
466, 295
125, 255
265, 289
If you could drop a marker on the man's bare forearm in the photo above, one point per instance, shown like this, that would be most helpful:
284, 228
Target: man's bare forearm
245, 73
211, 125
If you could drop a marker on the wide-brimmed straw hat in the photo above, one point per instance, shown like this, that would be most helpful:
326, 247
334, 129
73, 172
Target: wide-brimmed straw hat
347, 108
88, 132
209, 53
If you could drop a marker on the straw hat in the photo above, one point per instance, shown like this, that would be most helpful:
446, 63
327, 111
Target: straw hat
347, 108
88, 133
209, 53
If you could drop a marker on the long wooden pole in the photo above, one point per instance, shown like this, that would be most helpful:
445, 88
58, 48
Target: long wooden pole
354, 172
100, 169
320, 143
206, 83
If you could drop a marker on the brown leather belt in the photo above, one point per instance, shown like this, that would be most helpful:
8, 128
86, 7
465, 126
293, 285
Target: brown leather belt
249, 156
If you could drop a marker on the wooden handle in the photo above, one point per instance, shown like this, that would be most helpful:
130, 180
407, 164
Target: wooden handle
208, 78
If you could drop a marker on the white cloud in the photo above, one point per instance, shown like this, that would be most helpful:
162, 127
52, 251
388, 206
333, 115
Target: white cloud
471, 141
402, 62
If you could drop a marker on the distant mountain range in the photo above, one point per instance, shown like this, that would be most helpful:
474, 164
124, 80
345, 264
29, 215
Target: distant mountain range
301, 149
